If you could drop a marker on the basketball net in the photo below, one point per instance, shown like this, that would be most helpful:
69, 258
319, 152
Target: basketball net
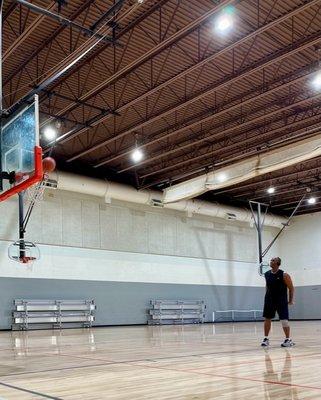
35, 193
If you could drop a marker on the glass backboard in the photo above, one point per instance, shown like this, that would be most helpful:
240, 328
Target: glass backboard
20, 152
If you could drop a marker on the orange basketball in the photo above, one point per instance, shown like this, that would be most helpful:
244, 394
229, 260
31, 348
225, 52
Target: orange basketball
48, 164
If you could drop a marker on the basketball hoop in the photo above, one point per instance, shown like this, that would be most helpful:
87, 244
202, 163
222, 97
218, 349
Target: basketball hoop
23, 252
35, 193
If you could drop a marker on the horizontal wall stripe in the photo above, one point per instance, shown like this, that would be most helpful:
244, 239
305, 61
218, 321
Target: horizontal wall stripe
123, 303
102, 265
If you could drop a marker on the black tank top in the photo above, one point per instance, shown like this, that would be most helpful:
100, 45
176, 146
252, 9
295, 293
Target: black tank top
276, 287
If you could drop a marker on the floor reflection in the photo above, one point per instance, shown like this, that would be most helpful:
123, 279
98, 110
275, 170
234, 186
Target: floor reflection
283, 391
34, 342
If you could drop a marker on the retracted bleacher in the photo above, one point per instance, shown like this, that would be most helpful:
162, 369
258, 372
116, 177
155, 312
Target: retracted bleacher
33, 314
167, 312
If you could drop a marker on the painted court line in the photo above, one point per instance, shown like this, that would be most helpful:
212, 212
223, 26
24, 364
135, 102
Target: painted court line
132, 363
187, 356
30, 391
215, 375
230, 377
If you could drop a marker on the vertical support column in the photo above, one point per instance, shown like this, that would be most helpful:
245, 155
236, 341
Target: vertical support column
22, 247
259, 232
259, 222
1, 100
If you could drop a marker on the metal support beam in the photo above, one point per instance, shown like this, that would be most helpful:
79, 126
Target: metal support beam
64, 21
294, 136
300, 45
188, 70
174, 133
166, 43
112, 10
26, 33
45, 43
62, 69
61, 96
217, 136
9, 10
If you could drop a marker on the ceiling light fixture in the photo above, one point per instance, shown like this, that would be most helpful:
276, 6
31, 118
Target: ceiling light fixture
316, 81
224, 21
50, 133
137, 155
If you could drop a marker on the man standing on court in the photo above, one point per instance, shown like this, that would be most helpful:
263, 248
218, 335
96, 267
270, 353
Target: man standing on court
278, 283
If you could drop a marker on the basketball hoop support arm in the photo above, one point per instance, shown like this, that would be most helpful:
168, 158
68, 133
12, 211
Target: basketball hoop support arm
259, 223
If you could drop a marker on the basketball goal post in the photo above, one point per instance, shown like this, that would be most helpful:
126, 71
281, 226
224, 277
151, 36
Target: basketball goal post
259, 212
22, 169
23, 172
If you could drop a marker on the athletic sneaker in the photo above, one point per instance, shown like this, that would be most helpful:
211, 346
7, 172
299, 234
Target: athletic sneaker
265, 342
287, 343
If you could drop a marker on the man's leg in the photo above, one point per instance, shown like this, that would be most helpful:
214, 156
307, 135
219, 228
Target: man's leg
268, 314
267, 327
286, 328
283, 312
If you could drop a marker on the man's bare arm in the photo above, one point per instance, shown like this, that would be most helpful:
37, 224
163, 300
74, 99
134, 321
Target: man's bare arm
289, 284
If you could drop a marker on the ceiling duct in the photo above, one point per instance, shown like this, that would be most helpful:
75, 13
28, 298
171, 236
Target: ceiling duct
111, 190
250, 168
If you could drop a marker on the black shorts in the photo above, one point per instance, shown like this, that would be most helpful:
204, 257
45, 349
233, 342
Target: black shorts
270, 309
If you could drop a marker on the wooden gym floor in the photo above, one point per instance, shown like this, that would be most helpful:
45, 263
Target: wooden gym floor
222, 361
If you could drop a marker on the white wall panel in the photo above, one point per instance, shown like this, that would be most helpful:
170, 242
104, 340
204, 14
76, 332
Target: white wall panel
9, 220
37, 227
168, 234
155, 233
125, 231
108, 227
103, 265
139, 231
71, 222
182, 237
301, 249
90, 224
51, 217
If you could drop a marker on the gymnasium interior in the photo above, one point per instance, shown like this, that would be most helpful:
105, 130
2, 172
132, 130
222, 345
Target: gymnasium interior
155, 156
